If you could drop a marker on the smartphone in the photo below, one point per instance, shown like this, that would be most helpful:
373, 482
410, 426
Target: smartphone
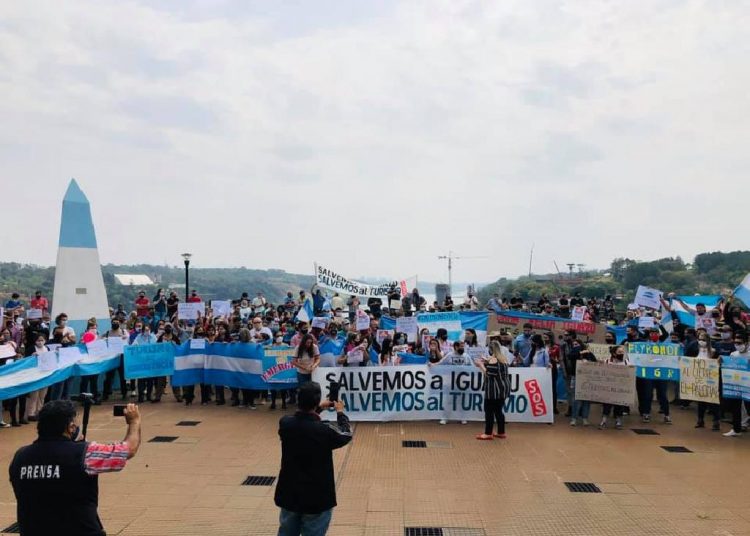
118, 410
333, 391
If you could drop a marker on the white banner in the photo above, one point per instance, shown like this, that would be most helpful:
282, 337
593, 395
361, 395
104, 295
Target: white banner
328, 279
419, 392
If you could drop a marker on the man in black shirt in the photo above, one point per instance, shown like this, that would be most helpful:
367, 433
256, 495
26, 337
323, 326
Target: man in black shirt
306, 491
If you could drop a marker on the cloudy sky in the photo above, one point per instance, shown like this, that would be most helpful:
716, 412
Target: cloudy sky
375, 136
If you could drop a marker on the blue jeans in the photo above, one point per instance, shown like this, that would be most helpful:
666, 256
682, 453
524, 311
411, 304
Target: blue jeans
581, 408
294, 524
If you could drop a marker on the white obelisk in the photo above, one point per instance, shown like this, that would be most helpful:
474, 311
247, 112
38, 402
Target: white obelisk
79, 286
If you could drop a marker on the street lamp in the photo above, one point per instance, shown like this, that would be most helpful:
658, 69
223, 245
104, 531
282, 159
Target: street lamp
186, 257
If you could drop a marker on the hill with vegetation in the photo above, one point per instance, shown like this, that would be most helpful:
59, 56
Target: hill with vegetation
709, 273
211, 283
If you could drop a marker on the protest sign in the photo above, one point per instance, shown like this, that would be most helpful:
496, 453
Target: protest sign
68, 356
605, 383
115, 344
408, 325
277, 364
513, 321
149, 360
578, 314
699, 379
97, 348
320, 322
190, 311
655, 360
7, 350
477, 352
197, 344
426, 342
382, 334
646, 322
735, 377
705, 322
47, 361
648, 297
34, 314
221, 307
328, 279
355, 356
600, 351
418, 392
450, 321
363, 321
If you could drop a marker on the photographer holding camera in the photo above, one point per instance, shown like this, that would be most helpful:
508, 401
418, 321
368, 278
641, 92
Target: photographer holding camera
55, 479
306, 490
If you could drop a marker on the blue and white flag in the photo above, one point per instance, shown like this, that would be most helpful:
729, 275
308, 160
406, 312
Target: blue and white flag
742, 292
686, 317
305, 313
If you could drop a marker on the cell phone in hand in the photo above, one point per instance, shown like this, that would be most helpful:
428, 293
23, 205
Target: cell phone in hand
118, 410
333, 391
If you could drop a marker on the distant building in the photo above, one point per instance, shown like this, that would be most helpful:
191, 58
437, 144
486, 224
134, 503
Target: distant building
137, 280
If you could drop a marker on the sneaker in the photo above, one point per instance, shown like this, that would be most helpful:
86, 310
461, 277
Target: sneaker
618, 424
603, 424
646, 418
716, 427
484, 437
463, 422
572, 422
586, 422
732, 433
443, 421
667, 419
700, 424
253, 406
4, 424
501, 436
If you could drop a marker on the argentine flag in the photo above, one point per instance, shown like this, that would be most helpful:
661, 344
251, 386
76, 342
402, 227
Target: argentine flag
742, 292
305, 313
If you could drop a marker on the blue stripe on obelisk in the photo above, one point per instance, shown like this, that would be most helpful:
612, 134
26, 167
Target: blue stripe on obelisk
76, 227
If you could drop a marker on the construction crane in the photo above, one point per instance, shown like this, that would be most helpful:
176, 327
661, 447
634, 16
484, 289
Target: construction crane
452, 258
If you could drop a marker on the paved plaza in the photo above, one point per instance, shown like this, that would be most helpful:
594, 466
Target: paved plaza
194, 484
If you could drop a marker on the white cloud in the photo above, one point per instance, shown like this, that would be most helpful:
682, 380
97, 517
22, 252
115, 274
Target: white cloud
374, 138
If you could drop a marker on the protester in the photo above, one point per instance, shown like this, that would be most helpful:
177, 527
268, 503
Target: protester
306, 490
617, 357
496, 390
55, 479
742, 349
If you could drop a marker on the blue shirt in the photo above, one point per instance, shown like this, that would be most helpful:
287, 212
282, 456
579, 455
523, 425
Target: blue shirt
522, 345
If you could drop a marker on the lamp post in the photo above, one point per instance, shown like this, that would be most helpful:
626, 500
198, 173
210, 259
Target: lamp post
186, 257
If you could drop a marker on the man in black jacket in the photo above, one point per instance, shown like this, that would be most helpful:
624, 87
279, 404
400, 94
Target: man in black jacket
306, 491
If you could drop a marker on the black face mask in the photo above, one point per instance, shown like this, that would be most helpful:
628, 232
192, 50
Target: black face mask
115, 326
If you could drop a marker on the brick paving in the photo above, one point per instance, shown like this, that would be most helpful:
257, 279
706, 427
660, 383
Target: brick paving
467, 487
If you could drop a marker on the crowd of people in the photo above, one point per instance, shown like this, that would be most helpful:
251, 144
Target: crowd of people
257, 320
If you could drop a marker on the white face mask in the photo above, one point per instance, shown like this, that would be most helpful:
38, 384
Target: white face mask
702, 344
725, 335
741, 348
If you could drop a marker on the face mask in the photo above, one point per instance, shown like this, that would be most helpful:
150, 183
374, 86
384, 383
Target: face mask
725, 335
702, 344
115, 326
39, 344
741, 348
